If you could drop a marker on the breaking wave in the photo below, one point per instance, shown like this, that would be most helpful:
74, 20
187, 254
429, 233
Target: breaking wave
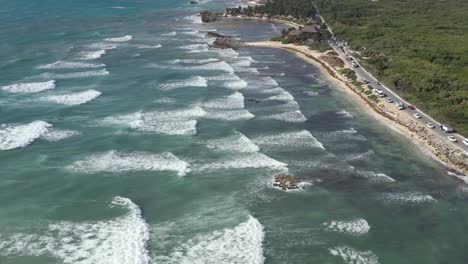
353, 227
114, 161
297, 139
196, 81
20, 135
73, 98
236, 85
228, 115
233, 101
120, 39
120, 240
241, 244
353, 256
292, 116
69, 65
73, 75
32, 87
236, 143
254, 160
408, 198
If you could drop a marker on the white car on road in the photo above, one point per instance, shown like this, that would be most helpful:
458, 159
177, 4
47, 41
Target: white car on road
465, 141
452, 138
389, 100
417, 115
430, 125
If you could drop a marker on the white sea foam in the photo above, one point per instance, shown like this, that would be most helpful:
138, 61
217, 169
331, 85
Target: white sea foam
297, 139
73, 98
375, 176
408, 198
345, 113
194, 47
120, 240
193, 61
32, 87
235, 143
69, 65
225, 77
120, 39
311, 93
236, 85
253, 160
292, 116
55, 135
233, 101
360, 156
353, 256
142, 46
283, 96
213, 66
353, 227
73, 75
196, 81
228, 115
173, 33
18, 136
166, 100
116, 162
241, 244
172, 122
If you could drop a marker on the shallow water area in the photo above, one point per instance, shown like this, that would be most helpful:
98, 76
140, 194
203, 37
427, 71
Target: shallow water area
124, 138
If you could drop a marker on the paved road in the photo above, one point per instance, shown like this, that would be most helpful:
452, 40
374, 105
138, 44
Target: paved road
363, 74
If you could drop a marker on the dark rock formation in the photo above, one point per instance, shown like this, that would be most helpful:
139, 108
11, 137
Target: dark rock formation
225, 42
286, 182
207, 16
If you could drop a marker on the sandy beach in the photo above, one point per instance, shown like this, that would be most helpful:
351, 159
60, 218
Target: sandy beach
430, 143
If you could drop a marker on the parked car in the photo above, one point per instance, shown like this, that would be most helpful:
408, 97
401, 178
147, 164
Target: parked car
401, 106
365, 81
411, 107
452, 138
430, 125
446, 129
417, 115
379, 93
465, 141
379, 83
370, 87
389, 100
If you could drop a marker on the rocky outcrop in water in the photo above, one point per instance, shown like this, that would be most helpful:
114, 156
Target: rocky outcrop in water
286, 182
207, 16
225, 42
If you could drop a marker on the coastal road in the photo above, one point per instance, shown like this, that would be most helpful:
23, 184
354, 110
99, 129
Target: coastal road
365, 75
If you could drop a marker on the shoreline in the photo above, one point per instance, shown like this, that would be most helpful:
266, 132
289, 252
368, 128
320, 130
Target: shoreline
428, 142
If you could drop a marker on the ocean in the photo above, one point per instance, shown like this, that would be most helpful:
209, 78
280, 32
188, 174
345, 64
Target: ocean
124, 138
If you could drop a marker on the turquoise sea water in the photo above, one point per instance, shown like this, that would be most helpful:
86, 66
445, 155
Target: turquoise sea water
125, 139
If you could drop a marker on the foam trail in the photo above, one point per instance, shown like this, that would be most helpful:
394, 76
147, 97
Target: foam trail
408, 198
116, 162
56, 135
32, 87
73, 75
353, 256
69, 65
236, 143
375, 176
228, 115
173, 33
297, 139
18, 136
356, 227
73, 98
172, 122
233, 101
120, 39
213, 66
236, 85
345, 114
254, 160
120, 240
196, 81
241, 244
141, 46
192, 61
292, 116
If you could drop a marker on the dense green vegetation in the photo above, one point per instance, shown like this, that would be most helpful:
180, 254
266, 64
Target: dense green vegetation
417, 47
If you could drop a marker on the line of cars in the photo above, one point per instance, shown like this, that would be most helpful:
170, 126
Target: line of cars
416, 115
